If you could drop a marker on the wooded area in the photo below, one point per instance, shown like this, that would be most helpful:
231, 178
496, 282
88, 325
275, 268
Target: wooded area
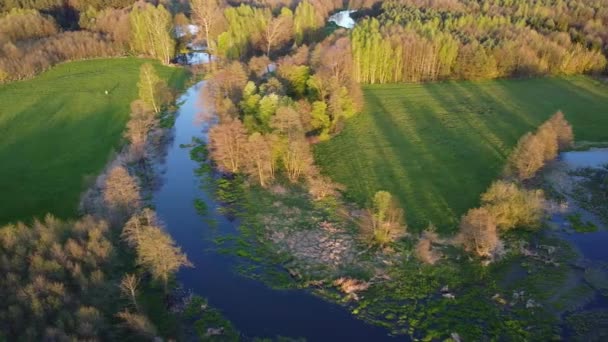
415, 40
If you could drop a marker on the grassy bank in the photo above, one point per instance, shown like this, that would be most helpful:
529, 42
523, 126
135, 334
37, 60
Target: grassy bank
58, 130
437, 146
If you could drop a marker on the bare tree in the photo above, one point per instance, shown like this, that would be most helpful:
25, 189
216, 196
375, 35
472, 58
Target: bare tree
209, 16
563, 129
121, 192
478, 233
259, 159
138, 323
157, 253
133, 229
297, 158
227, 141
128, 287
141, 122
527, 157
424, 248
278, 30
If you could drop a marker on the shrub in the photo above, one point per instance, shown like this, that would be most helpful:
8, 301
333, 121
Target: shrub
384, 222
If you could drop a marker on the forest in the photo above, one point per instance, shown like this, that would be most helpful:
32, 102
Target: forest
308, 124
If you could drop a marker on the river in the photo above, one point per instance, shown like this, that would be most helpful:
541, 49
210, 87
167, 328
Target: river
255, 309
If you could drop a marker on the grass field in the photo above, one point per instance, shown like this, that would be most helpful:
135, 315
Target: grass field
59, 129
438, 146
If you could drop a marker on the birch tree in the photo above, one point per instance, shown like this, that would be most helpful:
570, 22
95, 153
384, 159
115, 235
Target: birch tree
151, 32
209, 16
149, 85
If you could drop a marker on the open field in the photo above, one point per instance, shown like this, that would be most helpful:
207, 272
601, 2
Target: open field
59, 129
437, 146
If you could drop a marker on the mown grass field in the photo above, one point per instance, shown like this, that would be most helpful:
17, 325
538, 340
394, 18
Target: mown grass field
438, 146
58, 130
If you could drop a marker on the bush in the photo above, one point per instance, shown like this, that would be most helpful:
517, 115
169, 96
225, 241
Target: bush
384, 222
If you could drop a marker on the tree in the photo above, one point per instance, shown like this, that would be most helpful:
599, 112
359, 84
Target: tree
226, 143
157, 253
141, 122
297, 158
293, 149
209, 16
151, 32
149, 87
138, 323
548, 136
223, 90
287, 123
121, 192
478, 233
133, 229
320, 119
383, 223
128, 287
527, 158
296, 76
513, 206
424, 247
259, 159
563, 130
306, 22
278, 30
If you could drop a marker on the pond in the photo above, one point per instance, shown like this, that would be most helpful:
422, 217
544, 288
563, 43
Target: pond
595, 157
255, 309
343, 19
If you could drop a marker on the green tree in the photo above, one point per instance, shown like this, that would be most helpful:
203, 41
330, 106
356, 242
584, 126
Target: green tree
320, 119
306, 22
150, 87
151, 32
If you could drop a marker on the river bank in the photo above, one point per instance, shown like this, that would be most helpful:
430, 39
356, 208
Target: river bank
256, 309
532, 292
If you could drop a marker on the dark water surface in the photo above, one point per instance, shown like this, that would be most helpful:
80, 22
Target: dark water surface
255, 309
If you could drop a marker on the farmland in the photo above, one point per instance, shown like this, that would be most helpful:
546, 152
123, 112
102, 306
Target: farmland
437, 146
59, 129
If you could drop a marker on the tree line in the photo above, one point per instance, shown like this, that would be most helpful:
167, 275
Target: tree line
31, 41
508, 204
414, 41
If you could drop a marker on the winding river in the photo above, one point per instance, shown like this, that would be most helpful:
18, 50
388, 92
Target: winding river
255, 309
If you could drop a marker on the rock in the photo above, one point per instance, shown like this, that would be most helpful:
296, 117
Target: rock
214, 332
530, 304
448, 296
455, 337
499, 299
445, 289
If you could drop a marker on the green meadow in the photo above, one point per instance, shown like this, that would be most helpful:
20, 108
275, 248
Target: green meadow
438, 146
59, 129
